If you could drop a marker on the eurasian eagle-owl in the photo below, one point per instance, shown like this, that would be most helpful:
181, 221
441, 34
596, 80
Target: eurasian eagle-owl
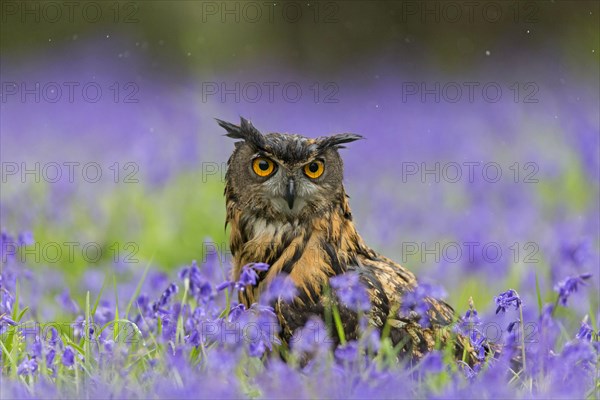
287, 207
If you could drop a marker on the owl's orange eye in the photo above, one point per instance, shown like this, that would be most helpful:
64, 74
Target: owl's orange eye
314, 169
263, 166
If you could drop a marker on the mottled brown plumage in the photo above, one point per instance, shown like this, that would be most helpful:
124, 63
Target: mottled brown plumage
302, 226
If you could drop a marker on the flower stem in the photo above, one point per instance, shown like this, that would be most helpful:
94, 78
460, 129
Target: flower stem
522, 335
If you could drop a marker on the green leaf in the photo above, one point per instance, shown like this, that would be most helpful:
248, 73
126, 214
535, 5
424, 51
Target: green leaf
138, 288
538, 293
20, 316
99, 295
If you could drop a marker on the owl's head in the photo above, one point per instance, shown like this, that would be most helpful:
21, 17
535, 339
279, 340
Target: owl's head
281, 175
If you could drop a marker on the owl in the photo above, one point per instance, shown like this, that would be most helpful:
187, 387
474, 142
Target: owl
287, 207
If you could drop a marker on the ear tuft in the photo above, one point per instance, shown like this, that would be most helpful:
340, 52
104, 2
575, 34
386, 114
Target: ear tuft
245, 131
337, 140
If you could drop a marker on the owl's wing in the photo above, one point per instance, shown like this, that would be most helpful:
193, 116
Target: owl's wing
387, 283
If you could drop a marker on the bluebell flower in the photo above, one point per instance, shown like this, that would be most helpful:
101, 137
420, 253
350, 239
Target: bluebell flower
68, 357
6, 301
418, 301
347, 352
280, 288
36, 347
469, 373
25, 239
586, 332
512, 325
472, 316
225, 285
248, 276
260, 267
8, 247
580, 353
312, 337
507, 299
478, 341
236, 311
27, 367
351, 291
579, 253
199, 286
5, 319
433, 362
194, 338
54, 338
570, 286
108, 345
257, 348
50, 355
67, 303
158, 279
159, 306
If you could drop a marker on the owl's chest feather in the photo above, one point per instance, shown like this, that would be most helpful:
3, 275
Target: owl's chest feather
308, 252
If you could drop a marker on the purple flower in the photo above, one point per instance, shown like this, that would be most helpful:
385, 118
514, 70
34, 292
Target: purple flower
257, 348
248, 276
585, 331
512, 325
54, 338
6, 301
158, 307
67, 303
50, 357
469, 373
570, 286
347, 352
478, 341
418, 301
236, 312
68, 357
260, 267
4, 319
473, 316
199, 286
8, 246
259, 327
579, 253
225, 285
507, 299
312, 337
433, 362
26, 239
281, 288
36, 348
351, 291
27, 367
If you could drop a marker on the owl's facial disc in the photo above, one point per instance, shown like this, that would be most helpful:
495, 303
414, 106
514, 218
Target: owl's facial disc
288, 188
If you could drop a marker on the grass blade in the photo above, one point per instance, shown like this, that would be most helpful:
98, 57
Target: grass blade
138, 288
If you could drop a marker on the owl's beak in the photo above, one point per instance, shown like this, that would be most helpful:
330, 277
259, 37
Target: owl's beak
290, 193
